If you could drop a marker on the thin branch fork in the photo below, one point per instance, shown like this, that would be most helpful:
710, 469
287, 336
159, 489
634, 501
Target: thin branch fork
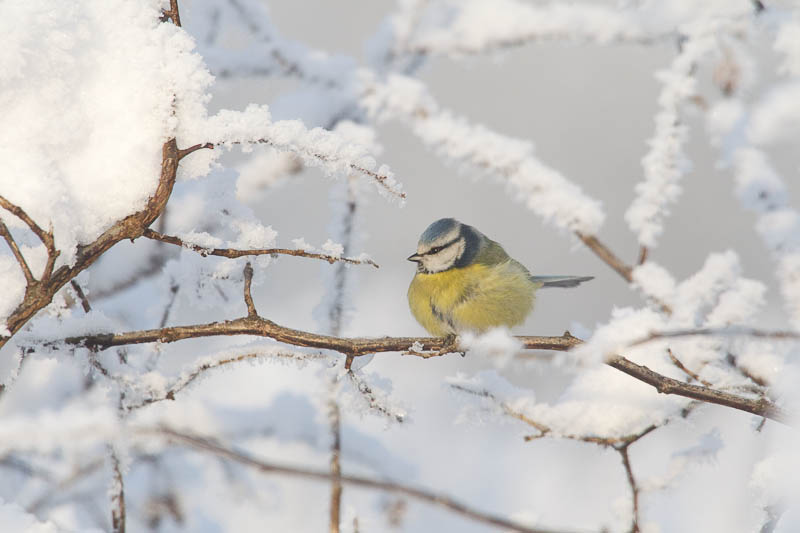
232, 253
422, 495
45, 236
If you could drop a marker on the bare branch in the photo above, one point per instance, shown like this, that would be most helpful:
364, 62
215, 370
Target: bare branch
234, 254
186, 151
117, 496
606, 255
81, 296
787, 335
336, 469
45, 236
626, 463
248, 297
172, 14
666, 385
677, 362
26, 270
431, 498
644, 251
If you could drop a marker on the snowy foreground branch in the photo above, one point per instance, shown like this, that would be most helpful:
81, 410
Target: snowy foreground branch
39, 293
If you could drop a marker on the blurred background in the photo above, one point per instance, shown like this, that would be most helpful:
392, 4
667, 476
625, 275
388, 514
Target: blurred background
589, 109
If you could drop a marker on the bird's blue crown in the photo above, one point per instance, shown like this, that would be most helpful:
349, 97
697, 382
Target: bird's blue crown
437, 229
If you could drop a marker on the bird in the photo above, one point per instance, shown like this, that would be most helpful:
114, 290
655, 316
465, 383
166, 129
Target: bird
465, 281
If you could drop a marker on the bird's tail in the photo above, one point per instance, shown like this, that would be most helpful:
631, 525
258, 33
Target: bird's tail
560, 281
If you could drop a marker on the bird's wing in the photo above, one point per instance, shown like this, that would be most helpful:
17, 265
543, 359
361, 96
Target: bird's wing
491, 254
560, 281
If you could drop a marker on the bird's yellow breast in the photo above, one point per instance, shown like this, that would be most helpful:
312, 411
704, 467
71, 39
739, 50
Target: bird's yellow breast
474, 298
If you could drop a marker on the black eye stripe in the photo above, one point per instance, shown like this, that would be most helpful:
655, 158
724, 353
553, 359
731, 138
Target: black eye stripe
437, 249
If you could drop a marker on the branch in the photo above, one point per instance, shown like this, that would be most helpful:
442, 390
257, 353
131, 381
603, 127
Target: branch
248, 297
26, 270
81, 296
336, 468
358, 346
619, 444
45, 236
666, 385
718, 332
117, 496
172, 13
431, 498
41, 293
231, 253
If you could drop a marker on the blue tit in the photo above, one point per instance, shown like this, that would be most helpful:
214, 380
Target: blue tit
466, 282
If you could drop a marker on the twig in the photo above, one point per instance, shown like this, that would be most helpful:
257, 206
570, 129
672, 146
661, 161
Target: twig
787, 335
604, 253
248, 297
117, 496
81, 296
23, 264
45, 236
644, 251
372, 399
189, 377
61, 486
234, 254
626, 463
426, 496
677, 362
172, 14
618, 444
666, 385
336, 469
183, 152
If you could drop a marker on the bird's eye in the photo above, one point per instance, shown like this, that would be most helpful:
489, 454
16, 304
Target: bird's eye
436, 249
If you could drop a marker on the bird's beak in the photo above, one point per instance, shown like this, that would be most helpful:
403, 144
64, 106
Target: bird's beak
415, 257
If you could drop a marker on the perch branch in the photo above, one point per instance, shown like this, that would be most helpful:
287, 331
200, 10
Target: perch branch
358, 346
231, 253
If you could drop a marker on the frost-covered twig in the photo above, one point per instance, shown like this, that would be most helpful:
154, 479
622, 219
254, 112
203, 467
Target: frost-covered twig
620, 444
117, 491
479, 26
81, 296
61, 486
45, 236
172, 13
665, 162
23, 264
374, 402
544, 190
248, 296
336, 470
208, 446
693, 375
188, 376
718, 332
232, 253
